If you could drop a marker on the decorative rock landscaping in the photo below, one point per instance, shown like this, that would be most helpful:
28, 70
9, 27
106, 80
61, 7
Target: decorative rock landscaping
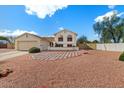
56, 55
96, 69
5, 72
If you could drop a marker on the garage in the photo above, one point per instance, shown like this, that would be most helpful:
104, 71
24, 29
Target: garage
26, 45
27, 41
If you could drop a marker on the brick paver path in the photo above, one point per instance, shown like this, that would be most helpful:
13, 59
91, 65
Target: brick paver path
55, 55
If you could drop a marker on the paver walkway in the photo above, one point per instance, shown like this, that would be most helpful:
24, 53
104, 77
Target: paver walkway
55, 55
7, 55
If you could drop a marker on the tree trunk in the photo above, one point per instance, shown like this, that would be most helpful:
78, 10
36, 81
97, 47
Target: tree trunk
119, 37
114, 38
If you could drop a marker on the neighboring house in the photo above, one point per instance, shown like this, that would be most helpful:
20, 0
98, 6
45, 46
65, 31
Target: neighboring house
3, 44
62, 40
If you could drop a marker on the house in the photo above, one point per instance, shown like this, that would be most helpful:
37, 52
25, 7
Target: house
62, 40
3, 44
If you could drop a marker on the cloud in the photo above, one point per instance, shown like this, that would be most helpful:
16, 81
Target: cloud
14, 33
61, 28
108, 14
111, 6
122, 13
41, 11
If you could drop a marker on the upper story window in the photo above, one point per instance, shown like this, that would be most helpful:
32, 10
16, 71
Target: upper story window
60, 38
69, 38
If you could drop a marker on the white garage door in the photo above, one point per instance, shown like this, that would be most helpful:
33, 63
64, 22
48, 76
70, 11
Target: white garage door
26, 45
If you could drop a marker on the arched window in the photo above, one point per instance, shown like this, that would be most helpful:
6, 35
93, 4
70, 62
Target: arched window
60, 38
69, 38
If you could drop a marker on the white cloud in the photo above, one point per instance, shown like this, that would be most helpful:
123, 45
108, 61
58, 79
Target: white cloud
14, 33
108, 14
111, 6
41, 11
61, 28
122, 13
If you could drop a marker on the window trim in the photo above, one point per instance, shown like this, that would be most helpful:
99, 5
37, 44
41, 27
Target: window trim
69, 38
60, 38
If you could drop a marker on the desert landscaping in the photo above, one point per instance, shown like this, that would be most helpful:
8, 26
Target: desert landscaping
92, 68
67, 49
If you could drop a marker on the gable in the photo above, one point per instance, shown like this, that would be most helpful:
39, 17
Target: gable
65, 31
28, 37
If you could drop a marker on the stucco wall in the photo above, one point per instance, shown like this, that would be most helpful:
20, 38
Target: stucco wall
44, 44
110, 47
65, 34
27, 38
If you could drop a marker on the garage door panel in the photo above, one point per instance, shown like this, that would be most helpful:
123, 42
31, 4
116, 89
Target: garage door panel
26, 45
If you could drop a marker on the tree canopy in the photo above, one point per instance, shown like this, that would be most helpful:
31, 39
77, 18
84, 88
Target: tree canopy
110, 29
4, 38
82, 39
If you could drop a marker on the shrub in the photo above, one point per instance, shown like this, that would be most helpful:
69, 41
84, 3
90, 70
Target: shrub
121, 57
34, 50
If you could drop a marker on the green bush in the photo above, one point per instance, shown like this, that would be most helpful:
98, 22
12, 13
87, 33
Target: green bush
121, 57
34, 50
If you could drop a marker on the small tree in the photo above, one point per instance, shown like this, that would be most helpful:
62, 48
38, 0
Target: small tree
11, 39
95, 41
82, 39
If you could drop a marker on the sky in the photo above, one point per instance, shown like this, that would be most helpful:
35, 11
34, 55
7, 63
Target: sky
49, 19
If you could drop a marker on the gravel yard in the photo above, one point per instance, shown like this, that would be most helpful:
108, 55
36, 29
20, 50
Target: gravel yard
95, 69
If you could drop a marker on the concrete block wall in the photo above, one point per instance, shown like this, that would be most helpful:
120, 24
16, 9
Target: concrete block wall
110, 47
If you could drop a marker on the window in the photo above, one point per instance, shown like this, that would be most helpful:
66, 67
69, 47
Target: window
59, 45
69, 45
51, 44
60, 38
69, 38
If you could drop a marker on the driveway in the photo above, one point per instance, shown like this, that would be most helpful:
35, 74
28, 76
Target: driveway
3, 50
11, 54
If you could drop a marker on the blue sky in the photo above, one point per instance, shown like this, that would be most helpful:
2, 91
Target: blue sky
76, 18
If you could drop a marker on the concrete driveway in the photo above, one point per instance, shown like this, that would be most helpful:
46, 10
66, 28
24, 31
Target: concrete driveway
11, 54
3, 50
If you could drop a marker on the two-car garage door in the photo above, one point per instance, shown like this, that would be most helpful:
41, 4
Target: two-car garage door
26, 45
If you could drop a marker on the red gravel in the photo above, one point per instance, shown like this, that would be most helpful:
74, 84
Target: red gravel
95, 69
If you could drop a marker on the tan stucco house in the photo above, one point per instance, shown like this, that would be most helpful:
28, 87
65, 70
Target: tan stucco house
62, 40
